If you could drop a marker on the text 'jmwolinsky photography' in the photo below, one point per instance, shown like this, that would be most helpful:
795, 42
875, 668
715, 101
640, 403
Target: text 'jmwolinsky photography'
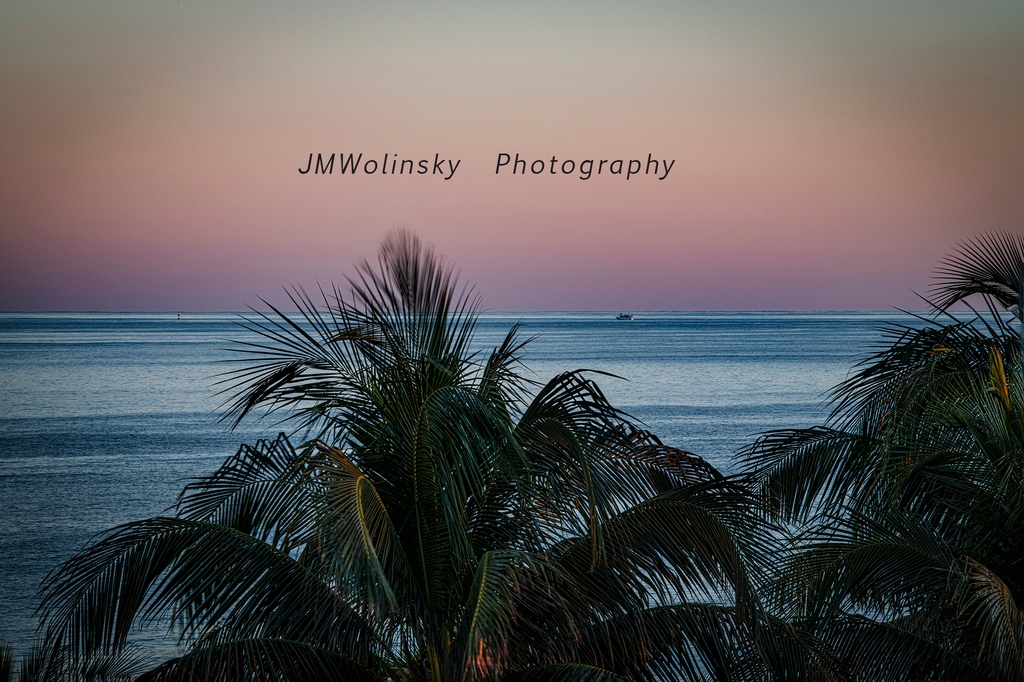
506, 164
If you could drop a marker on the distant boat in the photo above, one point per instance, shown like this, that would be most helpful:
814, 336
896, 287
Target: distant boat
624, 316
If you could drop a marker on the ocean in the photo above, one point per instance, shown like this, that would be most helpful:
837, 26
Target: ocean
104, 417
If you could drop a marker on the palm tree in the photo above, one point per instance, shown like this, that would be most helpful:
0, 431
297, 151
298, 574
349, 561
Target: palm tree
443, 519
907, 557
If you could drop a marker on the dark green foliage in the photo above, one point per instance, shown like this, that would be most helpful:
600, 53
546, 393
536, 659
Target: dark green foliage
907, 556
445, 519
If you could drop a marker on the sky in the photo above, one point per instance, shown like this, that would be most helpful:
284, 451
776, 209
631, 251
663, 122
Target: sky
825, 155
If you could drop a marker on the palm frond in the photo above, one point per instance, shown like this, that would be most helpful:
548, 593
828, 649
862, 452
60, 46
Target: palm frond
6, 662
200, 576
989, 264
356, 531
564, 672
991, 607
894, 651
262, 659
263, 490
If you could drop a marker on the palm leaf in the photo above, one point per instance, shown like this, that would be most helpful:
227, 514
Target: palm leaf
989, 264
200, 575
261, 659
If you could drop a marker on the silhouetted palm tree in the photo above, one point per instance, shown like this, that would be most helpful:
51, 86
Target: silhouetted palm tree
908, 558
445, 519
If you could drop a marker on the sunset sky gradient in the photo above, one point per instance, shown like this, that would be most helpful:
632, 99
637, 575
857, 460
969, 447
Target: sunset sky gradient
827, 153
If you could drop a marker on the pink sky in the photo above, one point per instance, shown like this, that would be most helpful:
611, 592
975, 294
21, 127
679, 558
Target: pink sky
826, 154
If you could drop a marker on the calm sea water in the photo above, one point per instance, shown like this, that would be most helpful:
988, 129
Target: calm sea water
104, 416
